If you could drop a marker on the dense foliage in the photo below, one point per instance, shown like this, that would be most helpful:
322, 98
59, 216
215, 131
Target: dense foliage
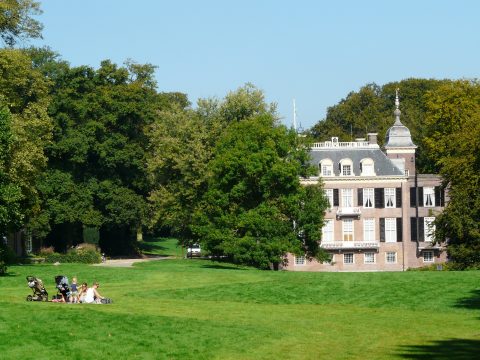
16, 21
453, 120
100, 153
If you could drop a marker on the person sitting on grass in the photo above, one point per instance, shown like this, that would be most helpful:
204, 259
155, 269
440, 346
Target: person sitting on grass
92, 295
82, 292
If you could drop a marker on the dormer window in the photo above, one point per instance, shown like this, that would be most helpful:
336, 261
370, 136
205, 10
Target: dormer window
346, 167
367, 168
326, 168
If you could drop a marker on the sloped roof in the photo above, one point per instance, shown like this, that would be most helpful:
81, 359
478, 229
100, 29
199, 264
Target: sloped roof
382, 164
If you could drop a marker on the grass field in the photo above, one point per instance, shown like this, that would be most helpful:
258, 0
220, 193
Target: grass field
154, 246
197, 309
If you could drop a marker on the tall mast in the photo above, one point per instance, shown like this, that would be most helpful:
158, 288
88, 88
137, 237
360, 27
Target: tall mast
294, 116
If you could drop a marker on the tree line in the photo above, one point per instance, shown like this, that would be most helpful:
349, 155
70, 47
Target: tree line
84, 148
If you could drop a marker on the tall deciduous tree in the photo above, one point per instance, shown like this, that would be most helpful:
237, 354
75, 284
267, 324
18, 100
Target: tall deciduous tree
16, 21
97, 161
24, 98
255, 210
453, 124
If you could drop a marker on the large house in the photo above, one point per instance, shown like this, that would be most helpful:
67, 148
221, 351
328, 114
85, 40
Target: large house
381, 211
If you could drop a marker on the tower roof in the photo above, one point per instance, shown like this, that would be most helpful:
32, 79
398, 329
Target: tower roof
398, 135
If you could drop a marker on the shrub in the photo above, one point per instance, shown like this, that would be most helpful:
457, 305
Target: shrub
83, 253
45, 251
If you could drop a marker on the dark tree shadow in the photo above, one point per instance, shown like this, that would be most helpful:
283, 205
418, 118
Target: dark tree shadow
152, 247
222, 267
471, 302
452, 349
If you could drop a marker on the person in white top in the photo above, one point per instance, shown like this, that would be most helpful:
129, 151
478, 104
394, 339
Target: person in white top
92, 295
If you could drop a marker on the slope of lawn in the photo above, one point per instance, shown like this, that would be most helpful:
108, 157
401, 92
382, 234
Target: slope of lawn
197, 309
158, 246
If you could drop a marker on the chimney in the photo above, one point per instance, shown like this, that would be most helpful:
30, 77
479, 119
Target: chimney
372, 138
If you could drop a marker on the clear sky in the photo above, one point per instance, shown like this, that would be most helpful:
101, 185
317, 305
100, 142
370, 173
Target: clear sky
315, 52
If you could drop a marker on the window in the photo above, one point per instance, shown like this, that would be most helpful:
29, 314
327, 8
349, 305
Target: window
327, 231
428, 228
428, 196
428, 256
348, 258
329, 195
347, 226
326, 168
299, 260
390, 229
347, 198
369, 258
389, 197
391, 257
368, 198
346, 167
369, 229
366, 166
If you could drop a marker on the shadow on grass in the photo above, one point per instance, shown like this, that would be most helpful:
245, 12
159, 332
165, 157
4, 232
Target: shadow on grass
470, 302
222, 267
152, 247
458, 349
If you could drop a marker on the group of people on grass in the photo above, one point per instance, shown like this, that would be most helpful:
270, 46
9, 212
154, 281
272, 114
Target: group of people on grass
82, 294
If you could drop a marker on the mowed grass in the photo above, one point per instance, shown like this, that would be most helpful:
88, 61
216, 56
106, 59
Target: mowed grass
158, 246
197, 309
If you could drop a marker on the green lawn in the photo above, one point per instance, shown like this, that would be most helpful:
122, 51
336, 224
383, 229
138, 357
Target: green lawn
157, 246
196, 309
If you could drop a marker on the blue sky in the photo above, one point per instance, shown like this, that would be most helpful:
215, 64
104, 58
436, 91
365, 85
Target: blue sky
315, 52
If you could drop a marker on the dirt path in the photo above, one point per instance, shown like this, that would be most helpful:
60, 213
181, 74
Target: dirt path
129, 262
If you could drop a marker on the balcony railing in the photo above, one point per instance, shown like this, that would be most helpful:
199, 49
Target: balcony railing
427, 245
348, 212
332, 245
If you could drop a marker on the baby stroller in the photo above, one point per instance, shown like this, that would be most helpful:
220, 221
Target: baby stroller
63, 288
39, 292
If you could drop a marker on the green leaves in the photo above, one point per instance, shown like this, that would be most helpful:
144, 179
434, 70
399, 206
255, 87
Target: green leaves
453, 123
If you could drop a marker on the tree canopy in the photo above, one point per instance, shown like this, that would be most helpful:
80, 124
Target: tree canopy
453, 142
16, 21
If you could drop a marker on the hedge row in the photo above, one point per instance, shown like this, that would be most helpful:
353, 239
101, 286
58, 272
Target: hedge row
85, 256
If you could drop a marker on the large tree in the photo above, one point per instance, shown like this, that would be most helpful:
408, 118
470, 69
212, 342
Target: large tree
182, 142
97, 161
24, 100
453, 142
255, 209
16, 21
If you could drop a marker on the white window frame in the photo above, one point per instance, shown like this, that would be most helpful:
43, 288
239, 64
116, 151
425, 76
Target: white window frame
347, 256
372, 259
329, 196
369, 229
346, 167
299, 260
390, 198
428, 196
428, 229
430, 258
327, 231
389, 255
390, 230
347, 198
347, 230
368, 168
326, 168
368, 198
